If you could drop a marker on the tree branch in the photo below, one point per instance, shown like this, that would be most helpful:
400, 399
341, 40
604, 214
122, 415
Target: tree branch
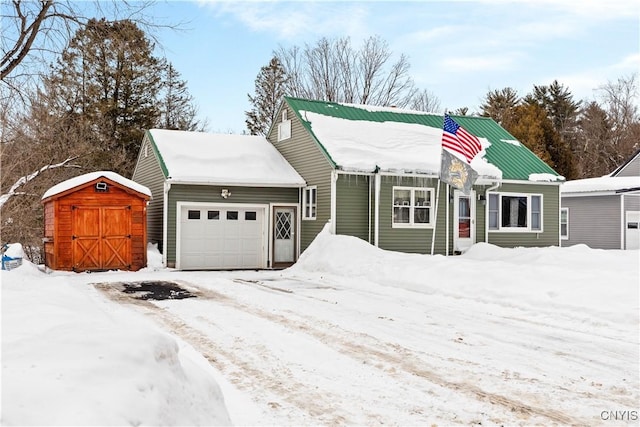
4, 198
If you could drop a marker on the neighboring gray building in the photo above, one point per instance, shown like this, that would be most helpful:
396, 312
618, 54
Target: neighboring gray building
603, 212
219, 201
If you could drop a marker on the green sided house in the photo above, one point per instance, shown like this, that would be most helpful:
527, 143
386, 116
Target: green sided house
372, 172
219, 201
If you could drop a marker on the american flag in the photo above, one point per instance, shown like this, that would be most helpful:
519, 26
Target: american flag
455, 138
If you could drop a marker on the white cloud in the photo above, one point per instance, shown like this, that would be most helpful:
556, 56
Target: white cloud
629, 63
593, 10
297, 19
466, 63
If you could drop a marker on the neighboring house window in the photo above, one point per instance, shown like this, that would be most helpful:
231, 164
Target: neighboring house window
412, 207
515, 212
309, 197
564, 223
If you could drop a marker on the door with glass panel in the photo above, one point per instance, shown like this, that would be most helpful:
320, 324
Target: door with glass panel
463, 221
284, 236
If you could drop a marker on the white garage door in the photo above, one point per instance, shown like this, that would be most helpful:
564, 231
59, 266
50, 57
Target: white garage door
221, 237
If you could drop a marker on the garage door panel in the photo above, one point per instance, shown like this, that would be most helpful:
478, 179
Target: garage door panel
220, 237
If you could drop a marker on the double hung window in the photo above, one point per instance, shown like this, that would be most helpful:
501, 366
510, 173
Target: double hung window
412, 207
515, 212
564, 223
309, 202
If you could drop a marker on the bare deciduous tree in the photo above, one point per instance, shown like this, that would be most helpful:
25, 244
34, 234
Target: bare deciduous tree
332, 70
620, 100
34, 30
425, 100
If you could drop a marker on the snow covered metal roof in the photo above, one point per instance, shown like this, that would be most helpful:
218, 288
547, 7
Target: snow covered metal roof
226, 159
366, 138
92, 176
609, 184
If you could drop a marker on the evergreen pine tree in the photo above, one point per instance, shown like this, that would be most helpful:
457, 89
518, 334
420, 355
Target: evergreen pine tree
531, 126
177, 108
109, 76
499, 104
269, 92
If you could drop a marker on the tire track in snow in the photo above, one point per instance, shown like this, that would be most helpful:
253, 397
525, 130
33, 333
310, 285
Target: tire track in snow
395, 356
312, 403
393, 359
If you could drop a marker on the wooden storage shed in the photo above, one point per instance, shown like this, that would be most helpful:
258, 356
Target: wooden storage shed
94, 222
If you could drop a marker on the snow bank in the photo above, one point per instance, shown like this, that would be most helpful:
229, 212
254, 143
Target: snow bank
577, 278
70, 357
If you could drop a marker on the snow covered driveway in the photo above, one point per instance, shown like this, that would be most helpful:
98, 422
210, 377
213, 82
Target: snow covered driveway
351, 335
319, 348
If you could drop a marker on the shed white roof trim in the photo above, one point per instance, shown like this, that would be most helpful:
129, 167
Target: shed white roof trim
88, 177
603, 183
200, 157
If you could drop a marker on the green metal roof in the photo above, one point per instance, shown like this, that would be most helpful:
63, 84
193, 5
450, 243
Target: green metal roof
154, 146
515, 160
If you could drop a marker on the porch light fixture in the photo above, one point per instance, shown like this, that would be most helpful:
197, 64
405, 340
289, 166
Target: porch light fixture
225, 193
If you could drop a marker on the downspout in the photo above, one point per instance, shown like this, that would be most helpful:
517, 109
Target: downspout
165, 214
334, 179
369, 211
622, 222
376, 227
486, 210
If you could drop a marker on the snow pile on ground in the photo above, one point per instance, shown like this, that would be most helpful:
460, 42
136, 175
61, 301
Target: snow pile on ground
70, 357
488, 272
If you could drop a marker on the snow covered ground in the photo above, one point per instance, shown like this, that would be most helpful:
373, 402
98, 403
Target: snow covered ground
351, 335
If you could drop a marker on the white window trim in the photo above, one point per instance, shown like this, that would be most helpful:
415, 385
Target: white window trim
411, 224
560, 223
526, 229
284, 127
305, 193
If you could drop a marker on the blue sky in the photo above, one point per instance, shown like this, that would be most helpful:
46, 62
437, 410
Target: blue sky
458, 50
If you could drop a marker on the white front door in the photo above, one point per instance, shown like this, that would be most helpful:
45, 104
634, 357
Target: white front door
284, 242
464, 210
632, 230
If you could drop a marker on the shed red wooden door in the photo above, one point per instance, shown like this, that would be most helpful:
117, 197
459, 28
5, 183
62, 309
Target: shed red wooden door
101, 238
86, 238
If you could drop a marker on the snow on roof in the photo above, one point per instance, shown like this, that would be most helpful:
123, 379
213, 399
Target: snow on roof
373, 108
603, 183
201, 157
545, 177
359, 145
88, 177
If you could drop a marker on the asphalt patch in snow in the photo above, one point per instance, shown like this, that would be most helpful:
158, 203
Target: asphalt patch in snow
156, 290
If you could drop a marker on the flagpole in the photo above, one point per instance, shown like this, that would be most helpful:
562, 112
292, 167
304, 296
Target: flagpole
435, 221
446, 197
